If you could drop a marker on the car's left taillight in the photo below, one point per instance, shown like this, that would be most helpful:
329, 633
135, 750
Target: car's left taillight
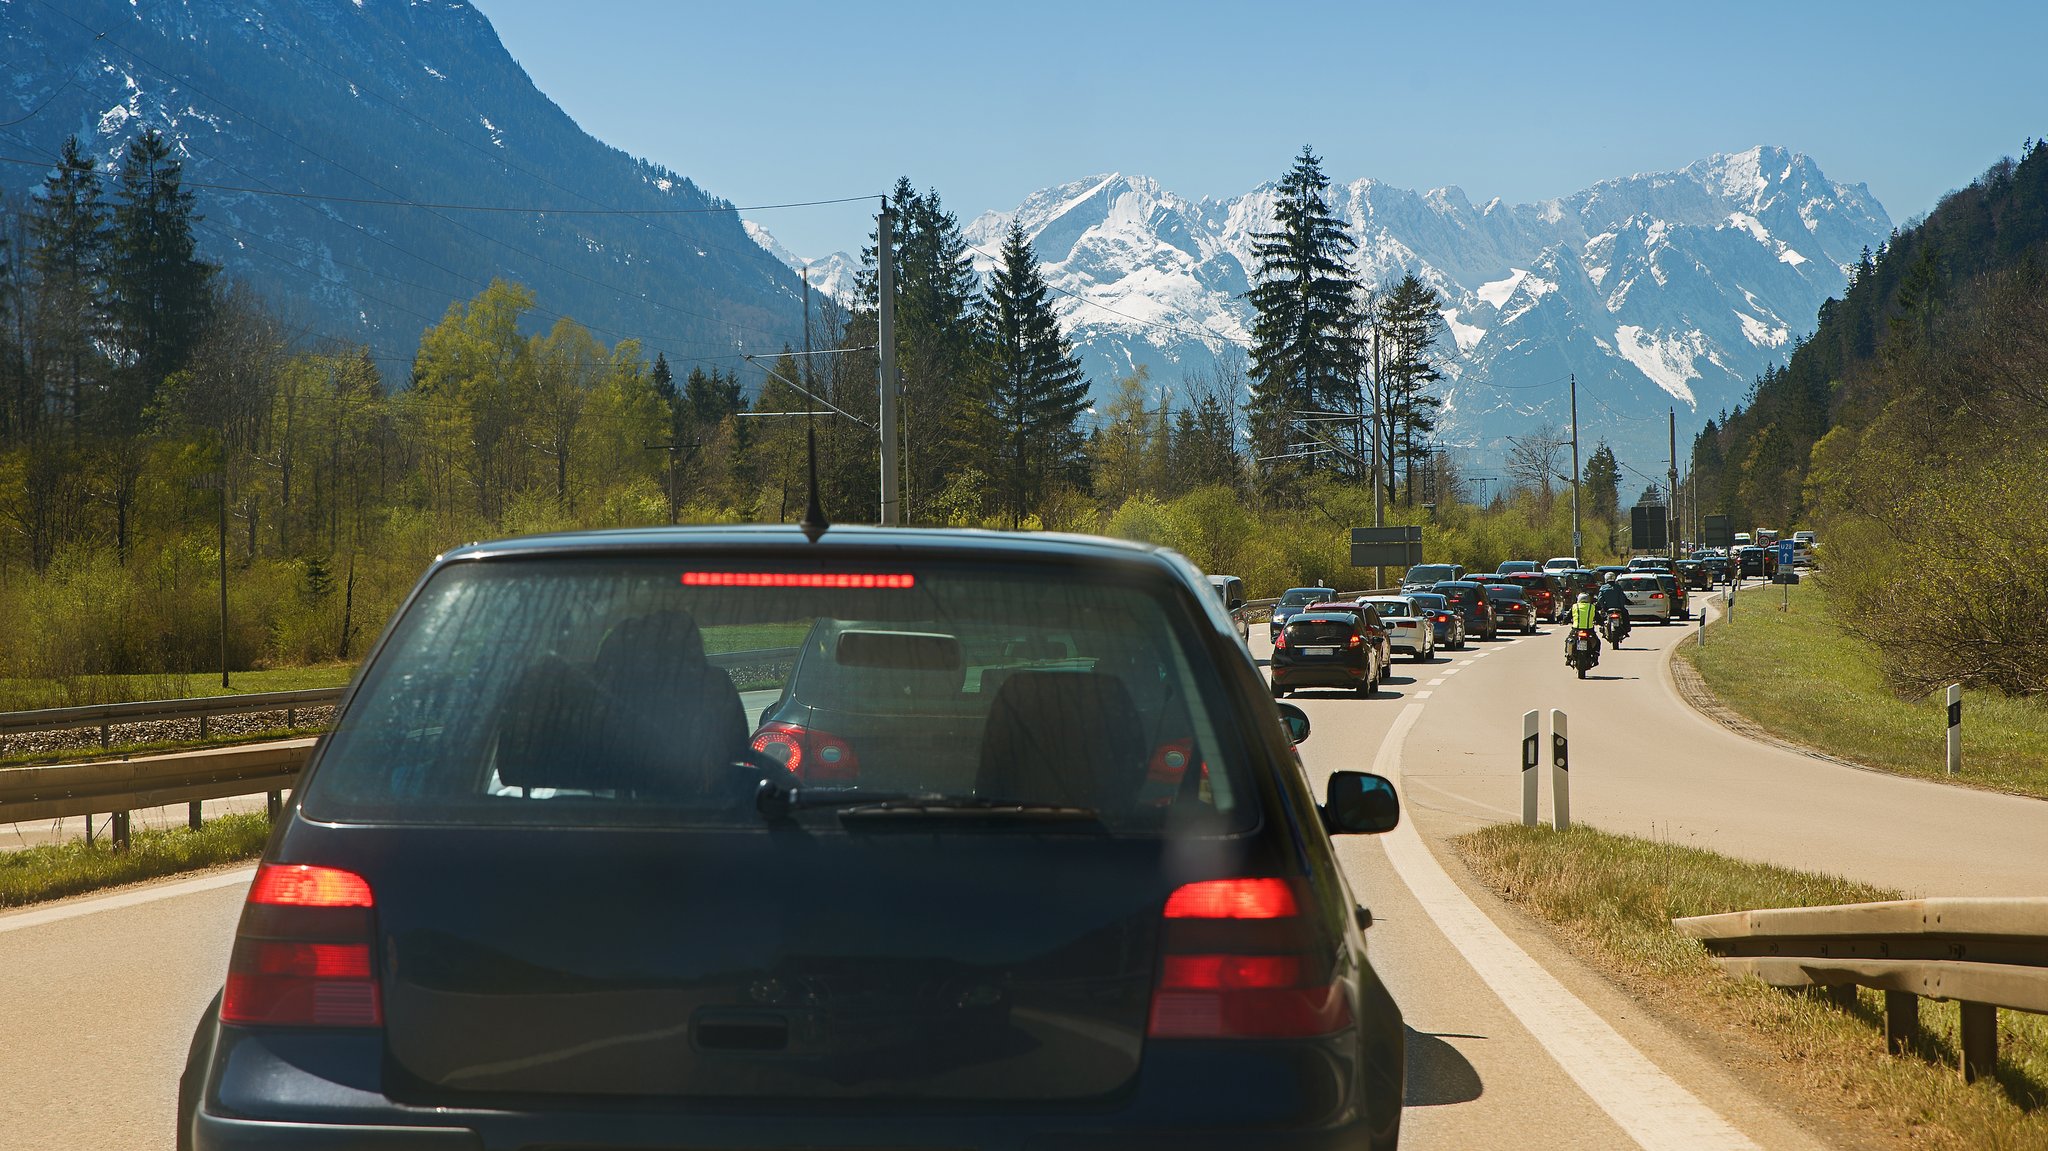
1240, 961
305, 952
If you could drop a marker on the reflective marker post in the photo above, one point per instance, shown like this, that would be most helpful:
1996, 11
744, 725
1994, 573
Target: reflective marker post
1529, 756
1560, 773
1955, 729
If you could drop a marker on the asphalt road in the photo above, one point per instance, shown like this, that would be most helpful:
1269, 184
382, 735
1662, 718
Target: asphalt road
96, 1008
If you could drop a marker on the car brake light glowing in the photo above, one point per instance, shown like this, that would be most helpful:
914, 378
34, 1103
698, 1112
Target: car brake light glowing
1279, 641
1656, 595
1215, 972
811, 755
304, 885
304, 951
1233, 899
800, 579
1356, 640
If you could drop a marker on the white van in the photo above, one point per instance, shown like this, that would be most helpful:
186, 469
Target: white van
1230, 593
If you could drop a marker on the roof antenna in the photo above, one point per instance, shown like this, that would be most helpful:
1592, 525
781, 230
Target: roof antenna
814, 522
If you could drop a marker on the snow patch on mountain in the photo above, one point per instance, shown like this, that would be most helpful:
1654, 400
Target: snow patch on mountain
831, 276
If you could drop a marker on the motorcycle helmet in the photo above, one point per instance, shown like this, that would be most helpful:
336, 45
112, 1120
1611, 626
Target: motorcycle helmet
1584, 598
1609, 579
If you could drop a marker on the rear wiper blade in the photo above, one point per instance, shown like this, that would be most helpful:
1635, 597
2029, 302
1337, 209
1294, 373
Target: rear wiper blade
774, 801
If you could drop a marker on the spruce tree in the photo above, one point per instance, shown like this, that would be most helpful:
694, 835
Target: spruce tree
159, 290
1408, 325
69, 230
1306, 352
1037, 391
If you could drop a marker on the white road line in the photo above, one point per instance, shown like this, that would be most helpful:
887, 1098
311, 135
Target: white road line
1438, 681
1426, 695
1451, 672
25, 919
1649, 1105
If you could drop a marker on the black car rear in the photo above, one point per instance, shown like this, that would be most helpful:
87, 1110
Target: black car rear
1326, 649
1015, 856
1469, 600
1511, 611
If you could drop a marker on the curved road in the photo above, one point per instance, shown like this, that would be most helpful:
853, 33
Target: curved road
100, 994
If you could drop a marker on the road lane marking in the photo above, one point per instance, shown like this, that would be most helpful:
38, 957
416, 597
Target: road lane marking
24, 919
1427, 694
1452, 671
1643, 1101
1435, 682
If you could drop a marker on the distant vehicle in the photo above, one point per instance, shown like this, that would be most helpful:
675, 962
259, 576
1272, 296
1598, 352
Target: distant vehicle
1560, 563
1742, 540
535, 888
1756, 561
1681, 603
1697, 575
1803, 538
1544, 592
1616, 570
1230, 593
1448, 620
1293, 600
1578, 580
1647, 598
1326, 649
1422, 576
1469, 599
1409, 627
1510, 608
1650, 563
1510, 567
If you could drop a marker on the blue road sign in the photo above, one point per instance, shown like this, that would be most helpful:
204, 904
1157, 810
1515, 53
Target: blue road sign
1785, 548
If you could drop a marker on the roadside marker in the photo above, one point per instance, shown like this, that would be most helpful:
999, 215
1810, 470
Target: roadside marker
1560, 771
1955, 729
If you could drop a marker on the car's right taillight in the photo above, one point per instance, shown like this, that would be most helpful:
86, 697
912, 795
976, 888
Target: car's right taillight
1240, 962
811, 755
305, 951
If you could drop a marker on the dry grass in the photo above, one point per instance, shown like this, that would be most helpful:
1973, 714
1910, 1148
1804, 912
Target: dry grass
34, 874
1612, 898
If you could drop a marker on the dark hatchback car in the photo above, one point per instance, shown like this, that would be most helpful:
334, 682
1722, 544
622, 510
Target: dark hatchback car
1449, 622
1293, 600
1327, 649
1511, 610
1469, 600
1040, 869
1544, 592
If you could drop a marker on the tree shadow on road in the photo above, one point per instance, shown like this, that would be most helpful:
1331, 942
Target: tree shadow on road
1438, 1073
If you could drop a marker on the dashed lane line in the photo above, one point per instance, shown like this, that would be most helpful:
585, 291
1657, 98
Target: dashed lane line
1437, 681
1648, 1104
72, 910
1424, 694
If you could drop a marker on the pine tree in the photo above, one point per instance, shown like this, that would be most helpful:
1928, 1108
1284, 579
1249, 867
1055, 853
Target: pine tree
69, 227
1602, 481
1037, 391
1408, 326
1306, 353
159, 290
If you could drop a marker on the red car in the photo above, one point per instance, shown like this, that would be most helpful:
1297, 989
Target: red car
1545, 593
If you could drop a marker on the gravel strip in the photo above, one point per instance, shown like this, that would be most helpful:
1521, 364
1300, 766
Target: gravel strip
85, 741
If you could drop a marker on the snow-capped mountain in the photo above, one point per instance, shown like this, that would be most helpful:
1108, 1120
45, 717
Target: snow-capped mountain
360, 111
831, 276
1658, 290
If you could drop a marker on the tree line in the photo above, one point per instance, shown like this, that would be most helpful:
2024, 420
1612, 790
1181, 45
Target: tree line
156, 416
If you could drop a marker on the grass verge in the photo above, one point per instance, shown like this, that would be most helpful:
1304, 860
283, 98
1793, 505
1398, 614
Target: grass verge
1795, 674
78, 691
35, 874
84, 753
1611, 898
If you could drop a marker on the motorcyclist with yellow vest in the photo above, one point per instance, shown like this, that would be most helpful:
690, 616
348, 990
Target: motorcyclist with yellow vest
1586, 616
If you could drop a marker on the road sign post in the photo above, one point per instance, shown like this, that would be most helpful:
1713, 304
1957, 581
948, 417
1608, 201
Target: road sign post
1530, 756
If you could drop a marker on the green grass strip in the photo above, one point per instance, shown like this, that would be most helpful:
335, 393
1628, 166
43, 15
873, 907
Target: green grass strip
1796, 674
52, 871
1612, 898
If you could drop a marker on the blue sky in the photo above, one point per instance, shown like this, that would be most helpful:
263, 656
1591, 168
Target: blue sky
765, 101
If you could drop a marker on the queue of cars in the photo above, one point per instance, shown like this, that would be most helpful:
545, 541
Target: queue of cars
1003, 846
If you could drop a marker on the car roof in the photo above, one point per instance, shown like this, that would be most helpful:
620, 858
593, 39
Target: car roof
838, 541
1330, 616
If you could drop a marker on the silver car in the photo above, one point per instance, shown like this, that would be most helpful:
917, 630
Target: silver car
1409, 628
1646, 597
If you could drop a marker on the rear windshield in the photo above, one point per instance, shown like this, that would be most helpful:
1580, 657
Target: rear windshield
1393, 607
1303, 596
1430, 573
641, 691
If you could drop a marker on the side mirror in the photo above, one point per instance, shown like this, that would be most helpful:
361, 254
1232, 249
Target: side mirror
1296, 721
1360, 803
1236, 605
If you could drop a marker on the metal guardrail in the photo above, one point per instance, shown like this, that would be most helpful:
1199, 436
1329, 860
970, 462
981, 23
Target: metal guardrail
53, 791
1982, 953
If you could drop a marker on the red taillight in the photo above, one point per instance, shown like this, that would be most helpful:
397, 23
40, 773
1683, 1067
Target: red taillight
800, 579
1233, 899
1443, 617
304, 953
813, 756
1656, 595
1240, 962
1356, 640
1280, 641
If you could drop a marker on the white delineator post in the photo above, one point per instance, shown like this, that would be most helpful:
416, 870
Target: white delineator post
1529, 759
1955, 729
1560, 773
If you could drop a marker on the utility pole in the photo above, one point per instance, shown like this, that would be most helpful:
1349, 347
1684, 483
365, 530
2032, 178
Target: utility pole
1379, 494
1671, 520
224, 562
885, 265
672, 447
1578, 548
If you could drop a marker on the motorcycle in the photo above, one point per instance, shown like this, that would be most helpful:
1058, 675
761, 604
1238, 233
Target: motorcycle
1615, 626
1585, 652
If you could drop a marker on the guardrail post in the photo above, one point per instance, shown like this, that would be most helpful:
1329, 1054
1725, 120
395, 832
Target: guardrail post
1529, 759
120, 832
1560, 773
192, 816
202, 726
274, 805
1901, 1021
1955, 729
106, 733
1980, 1040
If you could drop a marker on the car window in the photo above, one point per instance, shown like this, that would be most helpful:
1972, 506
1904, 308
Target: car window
1392, 608
558, 691
1302, 597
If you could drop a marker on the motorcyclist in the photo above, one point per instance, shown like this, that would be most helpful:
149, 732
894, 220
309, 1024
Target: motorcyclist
1584, 616
1612, 598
